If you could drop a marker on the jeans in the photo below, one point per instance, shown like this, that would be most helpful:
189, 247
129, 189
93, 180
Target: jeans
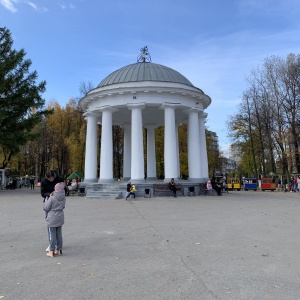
55, 238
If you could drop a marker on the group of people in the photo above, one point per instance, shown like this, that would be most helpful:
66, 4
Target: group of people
217, 186
293, 185
53, 191
72, 186
22, 182
131, 189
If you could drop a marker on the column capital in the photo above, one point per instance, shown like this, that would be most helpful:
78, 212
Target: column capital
106, 108
193, 109
169, 104
90, 113
132, 106
203, 114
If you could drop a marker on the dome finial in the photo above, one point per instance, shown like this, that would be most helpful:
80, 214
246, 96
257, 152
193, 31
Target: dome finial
144, 56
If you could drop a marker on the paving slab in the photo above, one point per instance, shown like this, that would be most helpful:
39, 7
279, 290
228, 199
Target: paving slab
242, 245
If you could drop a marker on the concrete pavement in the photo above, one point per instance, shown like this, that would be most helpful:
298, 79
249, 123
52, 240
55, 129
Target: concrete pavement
242, 245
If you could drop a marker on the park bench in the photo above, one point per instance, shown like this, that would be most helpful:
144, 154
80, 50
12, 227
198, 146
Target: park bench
204, 190
164, 187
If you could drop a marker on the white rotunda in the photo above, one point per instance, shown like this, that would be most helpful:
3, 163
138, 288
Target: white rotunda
145, 95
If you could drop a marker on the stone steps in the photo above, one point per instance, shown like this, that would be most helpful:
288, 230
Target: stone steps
104, 191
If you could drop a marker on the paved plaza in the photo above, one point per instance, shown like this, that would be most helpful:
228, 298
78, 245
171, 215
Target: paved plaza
242, 245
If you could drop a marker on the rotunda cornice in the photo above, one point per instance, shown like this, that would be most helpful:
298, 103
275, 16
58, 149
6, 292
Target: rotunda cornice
144, 88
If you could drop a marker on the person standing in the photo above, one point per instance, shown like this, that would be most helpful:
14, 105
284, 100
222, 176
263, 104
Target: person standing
47, 187
32, 183
48, 183
54, 206
285, 183
279, 184
291, 185
295, 187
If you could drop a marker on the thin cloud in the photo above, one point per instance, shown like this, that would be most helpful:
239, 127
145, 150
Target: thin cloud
9, 5
36, 8
66, 6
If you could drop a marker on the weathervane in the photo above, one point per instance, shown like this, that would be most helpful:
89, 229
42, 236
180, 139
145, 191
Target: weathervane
144, 56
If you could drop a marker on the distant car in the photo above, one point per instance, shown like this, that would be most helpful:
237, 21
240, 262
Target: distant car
250, 184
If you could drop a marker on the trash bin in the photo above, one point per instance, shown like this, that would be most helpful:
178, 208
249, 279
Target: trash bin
191, 191
81, 192
147, 193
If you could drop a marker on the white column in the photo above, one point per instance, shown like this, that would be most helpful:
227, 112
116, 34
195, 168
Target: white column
177, 150
203, 150
194, 145
137, 146
127, 152
90, 168
106, 152
170, 155
151, 155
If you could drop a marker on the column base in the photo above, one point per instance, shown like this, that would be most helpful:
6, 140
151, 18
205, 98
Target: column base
90, 180
151, 178
126, 179
106, 180
137, 180
195, 179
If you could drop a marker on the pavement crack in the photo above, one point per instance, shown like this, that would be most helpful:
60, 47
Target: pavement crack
176, 253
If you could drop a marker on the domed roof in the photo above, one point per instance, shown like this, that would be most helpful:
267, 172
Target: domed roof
144, 71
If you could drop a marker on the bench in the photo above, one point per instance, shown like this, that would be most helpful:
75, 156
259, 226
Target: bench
164, 187
204, 190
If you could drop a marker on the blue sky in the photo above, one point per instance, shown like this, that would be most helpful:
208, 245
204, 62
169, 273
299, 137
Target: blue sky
215, 43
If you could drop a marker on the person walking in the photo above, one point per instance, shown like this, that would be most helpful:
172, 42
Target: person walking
130, 190
54, 206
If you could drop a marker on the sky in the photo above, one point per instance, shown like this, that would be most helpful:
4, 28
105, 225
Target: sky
215, 44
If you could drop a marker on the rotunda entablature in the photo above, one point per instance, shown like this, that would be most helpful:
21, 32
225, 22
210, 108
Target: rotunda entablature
131, 90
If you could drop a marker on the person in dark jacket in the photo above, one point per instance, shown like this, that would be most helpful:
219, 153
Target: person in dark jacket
48, 183
217, 186
47, 187
130, 191
172, 187
54, 206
